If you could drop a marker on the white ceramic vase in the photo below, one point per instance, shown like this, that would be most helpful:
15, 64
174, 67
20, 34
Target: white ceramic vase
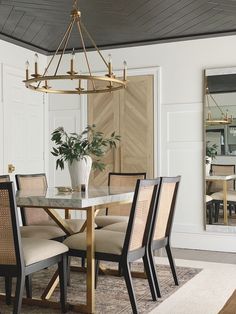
79, 172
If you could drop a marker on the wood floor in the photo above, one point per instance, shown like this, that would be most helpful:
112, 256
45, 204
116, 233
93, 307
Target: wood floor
200, 255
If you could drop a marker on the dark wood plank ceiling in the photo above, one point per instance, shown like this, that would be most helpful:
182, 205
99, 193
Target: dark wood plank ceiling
39, 25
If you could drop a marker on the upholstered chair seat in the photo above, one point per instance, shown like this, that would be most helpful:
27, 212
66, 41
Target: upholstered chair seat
208, 198
106, 241
36, 251
118, 227
110, 219
219, 196
42, 232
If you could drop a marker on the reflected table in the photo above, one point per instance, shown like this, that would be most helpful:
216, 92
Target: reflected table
224, 180
89, 201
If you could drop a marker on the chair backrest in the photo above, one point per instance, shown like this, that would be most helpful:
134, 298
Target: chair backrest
37, 182
10, 241
141, 215
216, 169
165, 208
117, 179
5, 178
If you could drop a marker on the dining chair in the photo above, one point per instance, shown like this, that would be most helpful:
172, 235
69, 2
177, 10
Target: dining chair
128, 247
118, 213
217, 192
224, 170
20, 257
4, 178
41, 224
162, 225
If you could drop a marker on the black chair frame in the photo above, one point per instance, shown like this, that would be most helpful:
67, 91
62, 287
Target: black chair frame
127, 257
20, 270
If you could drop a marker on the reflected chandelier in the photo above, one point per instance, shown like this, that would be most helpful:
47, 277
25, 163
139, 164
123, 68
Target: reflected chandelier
99, 84
224, 119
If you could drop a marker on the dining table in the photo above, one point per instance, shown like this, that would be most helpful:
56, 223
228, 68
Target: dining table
90, 201
224, 179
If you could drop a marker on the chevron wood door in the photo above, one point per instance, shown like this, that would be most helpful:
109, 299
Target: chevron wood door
129, 112
136, 126
103, 110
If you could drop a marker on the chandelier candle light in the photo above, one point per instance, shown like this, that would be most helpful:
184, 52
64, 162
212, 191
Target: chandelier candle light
40, 83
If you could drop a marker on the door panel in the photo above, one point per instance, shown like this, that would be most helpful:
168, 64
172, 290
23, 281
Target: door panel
23, 124
103, 110
136, 126
130, 113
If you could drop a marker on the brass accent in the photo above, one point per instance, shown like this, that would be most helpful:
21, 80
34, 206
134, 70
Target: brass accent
54, 281
11, 168
224, 119
35, 82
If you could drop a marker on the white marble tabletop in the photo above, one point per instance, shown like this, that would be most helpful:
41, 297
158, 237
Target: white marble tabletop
221, 178
51, 198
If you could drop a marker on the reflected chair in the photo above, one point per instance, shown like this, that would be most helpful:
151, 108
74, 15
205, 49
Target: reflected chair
215, 188
37, 220
221, 170
125, 248
5, 178
209, 208
20, 257
162, 225
118, 213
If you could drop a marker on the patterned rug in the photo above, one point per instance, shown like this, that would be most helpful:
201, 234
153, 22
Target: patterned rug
111, 292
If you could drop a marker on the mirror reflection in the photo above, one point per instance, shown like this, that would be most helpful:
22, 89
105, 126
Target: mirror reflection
220, 143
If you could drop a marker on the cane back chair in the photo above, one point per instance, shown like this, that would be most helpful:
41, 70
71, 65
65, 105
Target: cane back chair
20, 257
162, 225
118, 213
37, 218
125, 248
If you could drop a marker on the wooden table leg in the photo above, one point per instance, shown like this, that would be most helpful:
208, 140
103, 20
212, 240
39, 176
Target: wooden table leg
225, 202
90, 261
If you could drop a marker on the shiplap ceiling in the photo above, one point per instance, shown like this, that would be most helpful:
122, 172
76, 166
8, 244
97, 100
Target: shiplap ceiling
40, 24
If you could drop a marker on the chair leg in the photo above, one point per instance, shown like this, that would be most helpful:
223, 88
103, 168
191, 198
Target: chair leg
83, 262
154, 272
172, 264
28, 286
129, 285
149, 274
68, 270
97, 262
20, 282
8, 286
62, 269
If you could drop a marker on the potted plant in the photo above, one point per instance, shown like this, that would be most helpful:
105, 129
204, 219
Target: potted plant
211, 152
81, 152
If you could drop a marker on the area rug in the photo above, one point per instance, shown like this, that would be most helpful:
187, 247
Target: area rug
230, 305
111, 292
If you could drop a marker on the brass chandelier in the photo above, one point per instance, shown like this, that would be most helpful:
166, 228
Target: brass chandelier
224, 117
99, 84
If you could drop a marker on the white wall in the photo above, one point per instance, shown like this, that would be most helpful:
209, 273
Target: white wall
181, 127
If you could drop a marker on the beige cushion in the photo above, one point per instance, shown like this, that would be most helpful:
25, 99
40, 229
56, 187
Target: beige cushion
105, 241
231, 196
42, 232
75, 224
208, 198
103, 221
118, 227
36, 250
